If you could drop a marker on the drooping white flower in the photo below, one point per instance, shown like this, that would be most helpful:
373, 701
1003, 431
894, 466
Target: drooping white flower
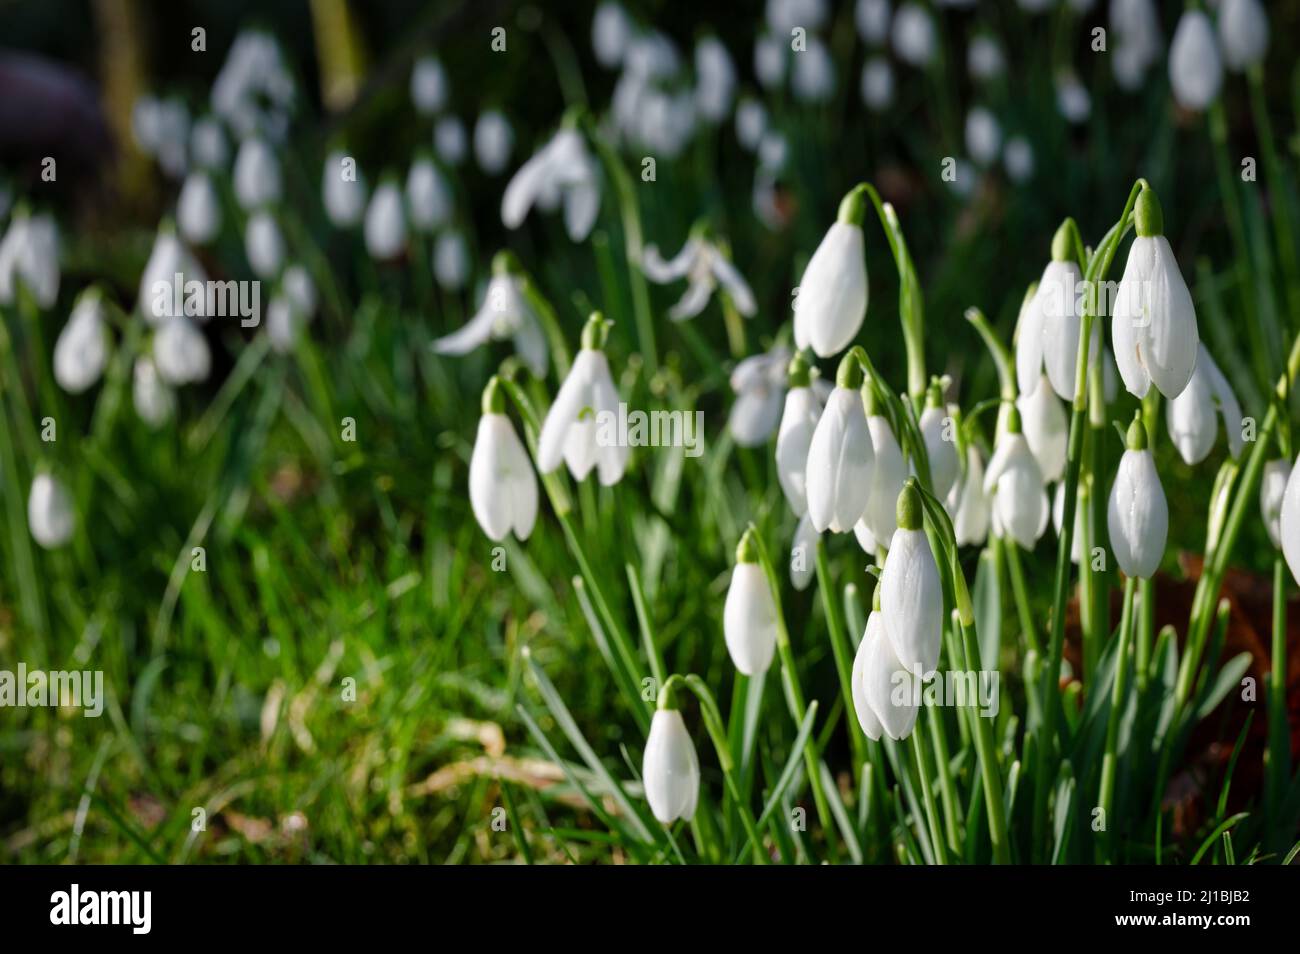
840, 457
940, 443
715, 79
803, 553
428, 85
1048, 333
670, 769
1014, 482
983, 136
751, 122
450, 141
562, 170
50, 513
208, 146
576, 429
984, 59
911, 594
428, 200
180, 352
81, 352
264, 245
1190, 416
888, 474
1137, 516
1018, 157
867, 717
611, 33
1073, 100
705, 268
451, 260
198, 210
759, 384
749, 622
257, 175
813, 77
283, 323
872, 20
158, 294
299, 289
29, 253
832, 299
877, 84
161, 129
1272, 491
503, 313
154, 400
913, 35
784, 15
254, 92
1058, 521
493, 141
343, 190
1243, 31
1153, 323
1138, 42
1046, 429
385, 225
1195, 70
1289, 522
891, 689
502, 485
769, 60
967, 502
803, 408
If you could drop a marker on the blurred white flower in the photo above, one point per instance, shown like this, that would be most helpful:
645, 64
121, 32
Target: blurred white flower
493, 141
832, 298
877, 85
935, 425
872, 19
254, 92
198, 209
1190, 416
157, 296
29, 253
180, 352
749, 620
562, 170
759, 383
751, 123
1072, 99
154, 400
208, 146
984, 58
1272, 490
670, 769
911, 594
299, 288
1289, 522
570, 434
967, 502
706, 269
502, 485
715, 79
450, 141
257, 175
1047, 336
803, 553
784, 15
913, 35
1243, 31
1195, 70
611, 33
428, 199
1018, 157
343, 190
451, 261
867, 717
813, 75
1058, 521
1137, 516
799, 416
769, 60
81, 352
428, 85
1014, 482
840, 463
888, 687
888, 474
264, 245
50, 513
283, 323
1046, 429
503, 313
983, 136
1136, 27
385, 225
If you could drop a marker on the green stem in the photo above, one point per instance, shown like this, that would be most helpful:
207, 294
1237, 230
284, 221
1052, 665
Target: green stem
1020, 594
1106, 797
927, 795
911, 310
1283, 222
842, 651
987, 752
1278, 727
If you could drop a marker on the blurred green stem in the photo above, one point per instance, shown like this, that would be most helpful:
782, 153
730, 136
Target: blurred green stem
1105, 798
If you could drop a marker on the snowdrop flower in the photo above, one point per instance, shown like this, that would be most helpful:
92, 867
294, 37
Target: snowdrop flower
161, 129
1243, 32
81, 352
343, 190
1048, 332
264, 245
157, 294
154, 400
911, 596
749, 618
968, 503
562, 170
1136, 26
1272, 491
873, 633
877, 86
715, 79
299, 289
889, 687
180, 352
503, 313
872, 19
1289, 523
670, 769
759, 385
450, 141
841, 455
1014, 483
1195, 71
1137, 516
428, 199
451, 261
493, 141
385, 225
813, 76
502, 485
283, 323
198, 210
832, 300
257, 175
1058, 521
1191, 414
1072, 99
1018, 157
1046, 429
888, 474
208, 146
983, 136
984, 58
1153, 324
913, 35
611, 33
428, 85
50, 514
570, 433
254, 92
704, 266
751, 123
769, 60
784, 15
940, 444
29, 253
803, 408
803, 553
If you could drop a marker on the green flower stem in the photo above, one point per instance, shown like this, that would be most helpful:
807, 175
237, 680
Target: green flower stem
1003, 360
842, 650
1279, 743
1096, 272
911, 310
1020, 594
1096, 614
927, 793
718, 734
1283, 222
986, 750
551, 324
794, 696
1106, 796
947, 793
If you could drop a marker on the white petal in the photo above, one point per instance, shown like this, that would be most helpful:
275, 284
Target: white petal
798, 422
1169, 347
658, 270
1058, 297
755, 415
887, 477
50, 514
970, 515
749, 619
911, 600
1272, 490
693, 301
803, 554
611, 456
1229, 408
941, 450
489, 494
1046, 429
670, 769
839, 463
1195, 72
858, 679
1289, 523
833, 291
891, 689
574, 395
81, 352
737, 288
523, 189
1137, 516
1190, 418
